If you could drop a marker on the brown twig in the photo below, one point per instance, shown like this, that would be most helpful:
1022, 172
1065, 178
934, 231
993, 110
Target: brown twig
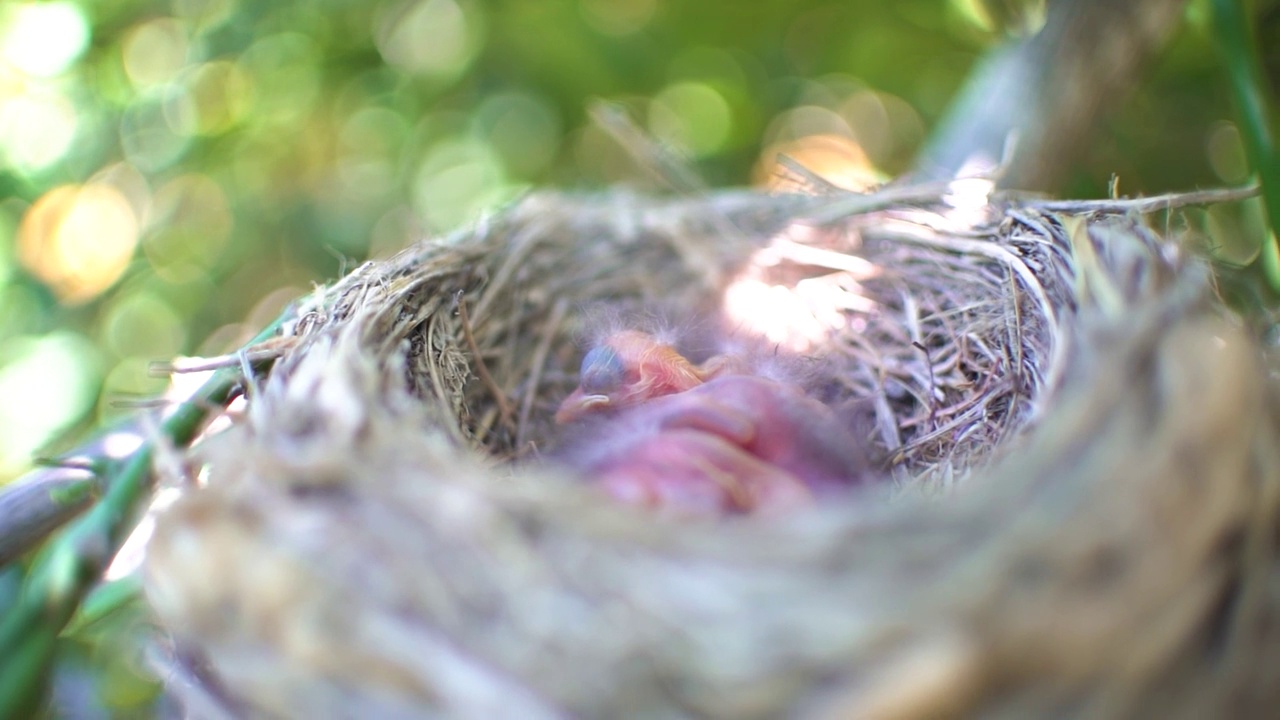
482, 370
1145, 205
539, 364
1046, 93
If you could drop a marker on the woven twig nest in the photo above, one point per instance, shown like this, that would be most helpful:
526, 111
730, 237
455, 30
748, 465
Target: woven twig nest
1075, 511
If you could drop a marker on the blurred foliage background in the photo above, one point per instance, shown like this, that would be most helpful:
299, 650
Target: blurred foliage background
173, 172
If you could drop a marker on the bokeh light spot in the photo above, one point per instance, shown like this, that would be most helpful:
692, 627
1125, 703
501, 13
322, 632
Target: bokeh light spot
204, 15
154, 52
192, 222
78, 240
371, 141
42, 39
523, 128
869, 119
1226, 152
225, 339
727, 73
1018, 18
458, 179
47, 384
8, 234
806, 120
130, 378
146, 137
131, 183
284, 70
394, 230
22, 307
692, 116
140, 324
431, 37
618, 17
603, 160
374, 131
217, 97
36, 129
905, 126
835, 158
1229, 232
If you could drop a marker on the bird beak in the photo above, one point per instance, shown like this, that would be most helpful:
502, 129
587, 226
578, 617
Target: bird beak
578, 405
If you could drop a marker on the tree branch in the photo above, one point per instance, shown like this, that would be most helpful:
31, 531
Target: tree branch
1047, 92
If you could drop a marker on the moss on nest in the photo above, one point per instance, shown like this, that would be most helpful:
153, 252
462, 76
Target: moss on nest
376, 537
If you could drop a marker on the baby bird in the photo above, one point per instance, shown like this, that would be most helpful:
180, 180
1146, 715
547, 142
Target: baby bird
774, 422
630, 367
705, 439
693, 473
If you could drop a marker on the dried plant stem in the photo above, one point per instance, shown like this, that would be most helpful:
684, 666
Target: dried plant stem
482, 369
1144, 205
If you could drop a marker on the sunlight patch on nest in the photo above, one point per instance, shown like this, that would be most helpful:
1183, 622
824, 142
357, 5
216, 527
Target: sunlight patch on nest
134, 549
969, 195
798, 314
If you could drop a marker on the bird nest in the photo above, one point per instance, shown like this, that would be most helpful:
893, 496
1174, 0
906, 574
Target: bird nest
1073, 510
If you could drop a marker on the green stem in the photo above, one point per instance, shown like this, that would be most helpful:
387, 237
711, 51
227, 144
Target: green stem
69, 566
104, 601
1244, 70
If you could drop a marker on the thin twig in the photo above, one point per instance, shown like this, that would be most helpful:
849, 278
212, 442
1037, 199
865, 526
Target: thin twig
811, 181
990, 250
890, 197
140, 403
659, 160
517, 253
453, 426
255, 354
1013, 324
933, 385
558, 312
482, 370
1155, 203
